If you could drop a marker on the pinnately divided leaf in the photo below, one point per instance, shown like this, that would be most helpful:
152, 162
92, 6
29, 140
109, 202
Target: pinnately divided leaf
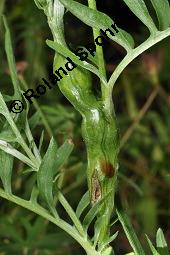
162, 9
138, 7
99, 20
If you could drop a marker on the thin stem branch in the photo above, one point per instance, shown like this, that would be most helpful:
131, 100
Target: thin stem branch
132, 54
99, 50
90, 250
71, 213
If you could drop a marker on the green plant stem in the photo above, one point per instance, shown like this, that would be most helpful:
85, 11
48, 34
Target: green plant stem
99, 51
58, 222
132, 54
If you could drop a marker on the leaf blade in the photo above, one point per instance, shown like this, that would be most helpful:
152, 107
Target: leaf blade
97, 19
162, 9
154, 251
161, 243
131, 235
84, 202
67, 53
45, 178
6, 165
138, 7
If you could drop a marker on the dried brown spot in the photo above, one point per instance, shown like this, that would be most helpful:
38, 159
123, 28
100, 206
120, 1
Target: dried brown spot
96, 189
107, 168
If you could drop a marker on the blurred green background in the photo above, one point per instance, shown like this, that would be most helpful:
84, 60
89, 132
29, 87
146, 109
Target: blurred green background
142, 104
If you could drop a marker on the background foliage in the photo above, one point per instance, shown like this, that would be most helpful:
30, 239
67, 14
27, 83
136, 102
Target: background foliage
144, 179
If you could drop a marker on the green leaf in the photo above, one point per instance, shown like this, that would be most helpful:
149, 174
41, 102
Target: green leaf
110, 239
41, 4
163, 13
7, 134
93, 212
161, 243
138, 7
63, 153
99, 20
6, 147
124, 38
130, 233
11, 61
6, 165
84, 202
50, 165
67, 53
45, 175
34, 195
154, 251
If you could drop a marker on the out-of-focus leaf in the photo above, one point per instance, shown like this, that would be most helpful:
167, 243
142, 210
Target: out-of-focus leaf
34, 120
163, 13
1, 9
41, 141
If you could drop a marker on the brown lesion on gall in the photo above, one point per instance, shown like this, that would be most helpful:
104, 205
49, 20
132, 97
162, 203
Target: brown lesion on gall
107, 168
95, 189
